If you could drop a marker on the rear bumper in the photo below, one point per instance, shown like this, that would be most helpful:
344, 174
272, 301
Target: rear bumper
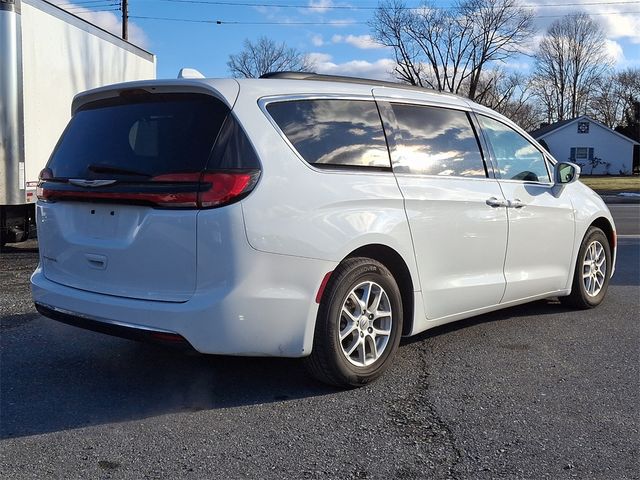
268, 310
117, 329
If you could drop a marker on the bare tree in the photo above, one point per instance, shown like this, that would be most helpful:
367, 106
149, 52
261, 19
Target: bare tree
510, 95
570, 59
449, 48
390, 24
266, 55
615, 96
501, 29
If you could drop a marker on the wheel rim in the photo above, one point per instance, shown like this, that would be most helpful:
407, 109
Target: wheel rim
594, 268
365, 324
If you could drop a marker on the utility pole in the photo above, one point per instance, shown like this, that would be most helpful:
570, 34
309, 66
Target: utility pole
125, 19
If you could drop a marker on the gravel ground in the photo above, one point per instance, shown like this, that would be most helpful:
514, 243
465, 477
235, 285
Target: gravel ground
17, 262
532, 392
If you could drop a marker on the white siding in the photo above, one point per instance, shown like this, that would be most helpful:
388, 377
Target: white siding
59, 61
606, 144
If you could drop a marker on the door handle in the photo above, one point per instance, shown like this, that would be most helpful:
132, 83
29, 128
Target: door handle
497, 202
516, 203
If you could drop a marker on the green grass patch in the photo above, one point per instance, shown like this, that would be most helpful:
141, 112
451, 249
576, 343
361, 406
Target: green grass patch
612, 184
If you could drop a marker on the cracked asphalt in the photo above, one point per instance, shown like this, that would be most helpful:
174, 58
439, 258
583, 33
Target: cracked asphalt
532, 392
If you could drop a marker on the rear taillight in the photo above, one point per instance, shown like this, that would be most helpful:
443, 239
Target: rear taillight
174, 190
222, 188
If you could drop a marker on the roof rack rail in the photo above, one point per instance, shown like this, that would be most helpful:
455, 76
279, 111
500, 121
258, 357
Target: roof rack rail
343, 79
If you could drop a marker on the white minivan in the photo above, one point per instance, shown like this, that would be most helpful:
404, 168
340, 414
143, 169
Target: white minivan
303, 215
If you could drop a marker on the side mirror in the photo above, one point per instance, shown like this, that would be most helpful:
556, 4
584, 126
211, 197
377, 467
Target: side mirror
566, 172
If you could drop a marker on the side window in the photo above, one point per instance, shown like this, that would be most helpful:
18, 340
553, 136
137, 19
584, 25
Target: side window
516, 157
435, 141
333, 133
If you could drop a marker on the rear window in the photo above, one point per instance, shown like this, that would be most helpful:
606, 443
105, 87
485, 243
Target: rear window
334, 133
140, 136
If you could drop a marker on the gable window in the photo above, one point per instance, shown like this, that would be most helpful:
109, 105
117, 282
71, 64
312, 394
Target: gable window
583, 127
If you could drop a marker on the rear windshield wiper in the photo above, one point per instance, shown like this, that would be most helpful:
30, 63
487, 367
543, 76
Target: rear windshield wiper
115, 170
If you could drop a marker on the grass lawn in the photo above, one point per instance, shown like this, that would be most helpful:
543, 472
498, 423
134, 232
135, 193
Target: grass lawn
612, 184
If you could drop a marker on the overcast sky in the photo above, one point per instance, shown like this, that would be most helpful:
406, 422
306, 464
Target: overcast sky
333, 32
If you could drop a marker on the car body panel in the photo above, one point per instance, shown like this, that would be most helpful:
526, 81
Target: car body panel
124, 250
460, 241
588, 207
541, 239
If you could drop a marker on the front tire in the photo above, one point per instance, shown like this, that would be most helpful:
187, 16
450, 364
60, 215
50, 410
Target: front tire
592, 272
359, 324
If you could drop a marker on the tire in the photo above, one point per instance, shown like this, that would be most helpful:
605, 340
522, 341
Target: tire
589, 291
341, 311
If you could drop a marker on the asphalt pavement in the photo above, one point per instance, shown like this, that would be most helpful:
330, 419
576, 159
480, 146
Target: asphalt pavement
627, 218
533, 392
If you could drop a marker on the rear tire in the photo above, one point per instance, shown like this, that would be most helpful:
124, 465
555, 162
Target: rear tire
359, 324
592, 273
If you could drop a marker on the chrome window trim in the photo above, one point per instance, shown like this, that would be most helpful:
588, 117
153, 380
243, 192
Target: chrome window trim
448, 177
526, 182
425, 103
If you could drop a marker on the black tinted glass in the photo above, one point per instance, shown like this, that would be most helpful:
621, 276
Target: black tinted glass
435, 141
233, 149
343, 133
144, 135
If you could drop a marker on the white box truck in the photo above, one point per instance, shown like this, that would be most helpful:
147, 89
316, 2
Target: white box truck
48, 55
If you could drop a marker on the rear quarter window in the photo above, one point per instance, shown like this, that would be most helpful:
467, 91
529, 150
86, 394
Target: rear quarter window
334, 133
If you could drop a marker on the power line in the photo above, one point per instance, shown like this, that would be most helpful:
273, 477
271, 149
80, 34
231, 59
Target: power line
372, 7
88, 4
234, 22
82, 12
591, 14
94, 10
337, 23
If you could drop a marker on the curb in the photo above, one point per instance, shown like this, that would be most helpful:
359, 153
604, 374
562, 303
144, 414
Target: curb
616, 199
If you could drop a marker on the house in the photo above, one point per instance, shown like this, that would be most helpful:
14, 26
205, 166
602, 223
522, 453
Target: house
592, 145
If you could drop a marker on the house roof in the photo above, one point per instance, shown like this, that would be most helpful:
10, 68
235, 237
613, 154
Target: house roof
544, 131
549, 128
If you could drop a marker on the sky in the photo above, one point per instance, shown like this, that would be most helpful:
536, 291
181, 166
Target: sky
335, 33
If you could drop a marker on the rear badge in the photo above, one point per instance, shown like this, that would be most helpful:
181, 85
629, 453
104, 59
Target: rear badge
81, 182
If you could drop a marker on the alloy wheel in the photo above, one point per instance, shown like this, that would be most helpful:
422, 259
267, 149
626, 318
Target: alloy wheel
365, 324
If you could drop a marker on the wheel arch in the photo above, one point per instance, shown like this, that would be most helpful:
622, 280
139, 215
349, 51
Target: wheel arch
391, 259
605, 225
